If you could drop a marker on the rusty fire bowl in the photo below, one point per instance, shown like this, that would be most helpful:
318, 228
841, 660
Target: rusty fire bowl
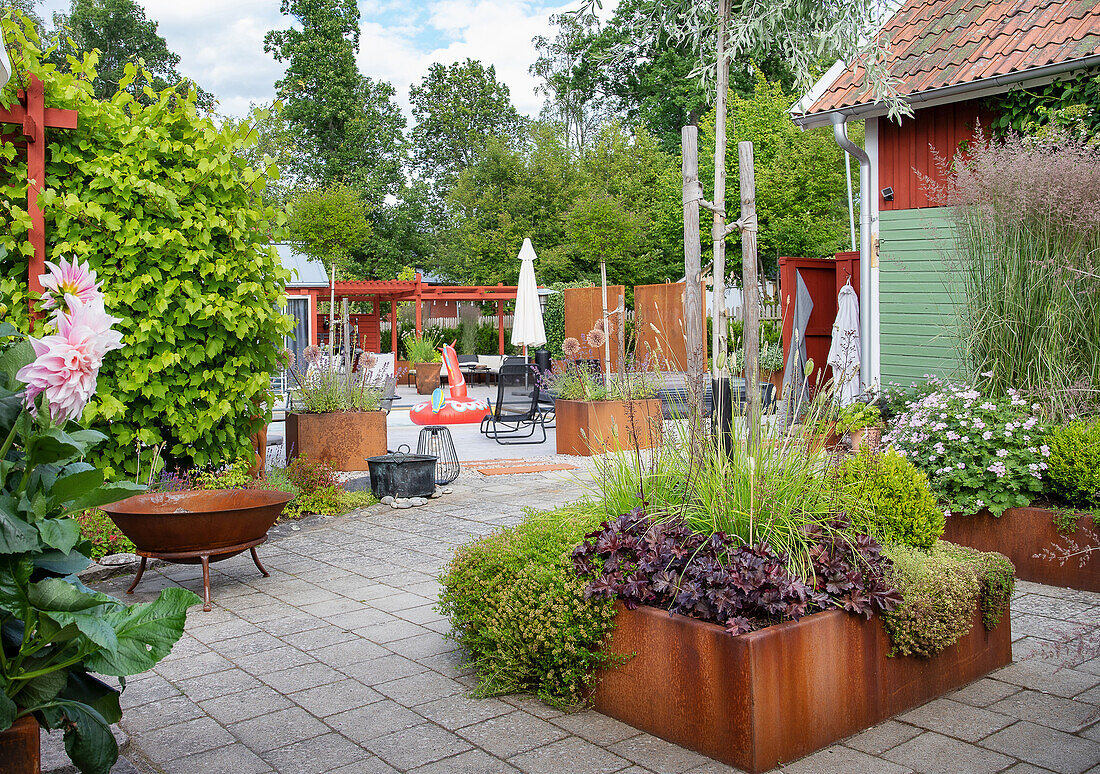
197, 527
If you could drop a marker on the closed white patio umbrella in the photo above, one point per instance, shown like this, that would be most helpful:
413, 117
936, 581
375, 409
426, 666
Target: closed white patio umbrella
527, 327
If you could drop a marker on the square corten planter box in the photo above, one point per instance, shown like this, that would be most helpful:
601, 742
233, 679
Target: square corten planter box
346, 438
585, 428
1020, 534
764, 698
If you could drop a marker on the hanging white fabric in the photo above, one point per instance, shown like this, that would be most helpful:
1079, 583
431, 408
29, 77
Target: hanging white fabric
527, 326
844, 350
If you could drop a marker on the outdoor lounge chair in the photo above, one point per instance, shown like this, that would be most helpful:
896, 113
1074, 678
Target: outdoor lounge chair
515, 415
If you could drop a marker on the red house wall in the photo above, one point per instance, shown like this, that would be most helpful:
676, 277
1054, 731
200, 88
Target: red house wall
911, 147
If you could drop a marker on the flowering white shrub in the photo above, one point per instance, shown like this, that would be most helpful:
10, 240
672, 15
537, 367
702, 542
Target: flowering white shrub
978, 451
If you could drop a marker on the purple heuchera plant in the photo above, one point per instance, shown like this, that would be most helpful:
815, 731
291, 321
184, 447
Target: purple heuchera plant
715, 578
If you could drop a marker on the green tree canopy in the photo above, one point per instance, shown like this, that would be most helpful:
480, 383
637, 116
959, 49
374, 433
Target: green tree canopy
329, 223
119, 30
160, 203
457, 109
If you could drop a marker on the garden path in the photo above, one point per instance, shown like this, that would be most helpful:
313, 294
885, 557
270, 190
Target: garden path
338, 663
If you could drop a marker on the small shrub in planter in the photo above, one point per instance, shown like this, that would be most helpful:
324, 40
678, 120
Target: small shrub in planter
900, 508
521, 612
1075, 463
941, 589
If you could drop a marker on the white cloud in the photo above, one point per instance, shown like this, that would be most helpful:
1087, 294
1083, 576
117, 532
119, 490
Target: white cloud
221, 43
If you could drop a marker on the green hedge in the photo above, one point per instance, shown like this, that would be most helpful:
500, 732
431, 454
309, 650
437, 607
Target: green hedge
169, 215
518, 608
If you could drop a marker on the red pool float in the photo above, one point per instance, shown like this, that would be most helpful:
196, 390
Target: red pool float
458, 409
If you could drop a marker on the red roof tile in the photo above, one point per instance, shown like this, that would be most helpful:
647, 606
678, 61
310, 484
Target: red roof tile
937, 43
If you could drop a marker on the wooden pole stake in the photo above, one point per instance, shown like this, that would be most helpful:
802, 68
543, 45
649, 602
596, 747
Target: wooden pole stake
751, 284
694, 327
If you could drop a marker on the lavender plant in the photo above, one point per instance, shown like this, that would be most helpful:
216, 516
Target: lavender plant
979, 452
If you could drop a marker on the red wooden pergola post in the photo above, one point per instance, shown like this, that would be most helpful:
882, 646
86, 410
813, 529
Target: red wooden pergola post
34, 116
500, 324
419, 300
393, 327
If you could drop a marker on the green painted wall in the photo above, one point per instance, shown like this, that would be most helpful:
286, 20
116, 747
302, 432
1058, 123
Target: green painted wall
915, 309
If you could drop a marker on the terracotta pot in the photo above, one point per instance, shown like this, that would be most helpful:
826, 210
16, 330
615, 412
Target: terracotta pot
427, 377
585, 428
871, 436
345, 438
1021, 534
822, 441
19, 747
773, 695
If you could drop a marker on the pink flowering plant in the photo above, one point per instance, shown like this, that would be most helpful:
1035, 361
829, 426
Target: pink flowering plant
54, 631
978, 451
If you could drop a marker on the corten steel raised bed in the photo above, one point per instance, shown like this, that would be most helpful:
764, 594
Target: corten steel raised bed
768, 697
344, 438
1020, 534
19, 747
197, 527
427, 377
585, 428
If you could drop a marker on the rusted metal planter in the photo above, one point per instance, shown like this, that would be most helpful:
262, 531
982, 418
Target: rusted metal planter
427, 377
768, 697
1020, 534
585, 428
344, 438
197, 527
19, 747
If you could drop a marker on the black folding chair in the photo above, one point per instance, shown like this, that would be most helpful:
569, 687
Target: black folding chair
516, 415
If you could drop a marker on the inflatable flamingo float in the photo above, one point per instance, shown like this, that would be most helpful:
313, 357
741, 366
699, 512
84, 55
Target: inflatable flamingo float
458, 409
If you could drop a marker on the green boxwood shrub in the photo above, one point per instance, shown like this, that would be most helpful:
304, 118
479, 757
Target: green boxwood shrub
168, 213
1074, 463
518, 608
940, 589
900, 507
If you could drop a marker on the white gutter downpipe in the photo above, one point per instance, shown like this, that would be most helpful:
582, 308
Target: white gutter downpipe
840, 133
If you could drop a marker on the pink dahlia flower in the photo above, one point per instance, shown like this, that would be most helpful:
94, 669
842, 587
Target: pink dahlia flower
68, 279
67, 363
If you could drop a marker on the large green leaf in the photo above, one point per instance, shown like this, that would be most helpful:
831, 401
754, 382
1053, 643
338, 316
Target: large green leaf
146, 633
60, 563
88, 739
86, 689
15, 575
16, 535
7, 330
78, 479
107, 494
7, 712
11, 405
61, 534
55, 594
53, 445
41, 689
12, 359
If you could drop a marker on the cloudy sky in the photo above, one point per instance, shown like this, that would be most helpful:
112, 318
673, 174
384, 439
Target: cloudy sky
221, 42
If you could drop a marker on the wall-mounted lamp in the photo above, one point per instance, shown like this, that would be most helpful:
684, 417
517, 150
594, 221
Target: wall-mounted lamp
888, 194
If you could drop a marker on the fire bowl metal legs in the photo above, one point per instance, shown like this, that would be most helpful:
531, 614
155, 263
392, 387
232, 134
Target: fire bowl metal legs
203, 557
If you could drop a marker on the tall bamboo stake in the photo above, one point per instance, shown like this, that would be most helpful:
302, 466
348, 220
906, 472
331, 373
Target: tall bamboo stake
718, 231
751, 283
694, 329
607, 323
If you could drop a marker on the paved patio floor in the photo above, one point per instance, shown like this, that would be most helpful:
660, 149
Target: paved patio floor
338, 663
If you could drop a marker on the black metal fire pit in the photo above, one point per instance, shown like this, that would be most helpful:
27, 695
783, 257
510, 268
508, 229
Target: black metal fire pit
400, 474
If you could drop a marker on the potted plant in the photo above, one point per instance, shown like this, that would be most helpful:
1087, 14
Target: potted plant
423, 353
54, 631
595, 415
771, 365
862, 422
337, 412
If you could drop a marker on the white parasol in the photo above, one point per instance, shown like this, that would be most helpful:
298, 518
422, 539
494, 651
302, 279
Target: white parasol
527, 327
